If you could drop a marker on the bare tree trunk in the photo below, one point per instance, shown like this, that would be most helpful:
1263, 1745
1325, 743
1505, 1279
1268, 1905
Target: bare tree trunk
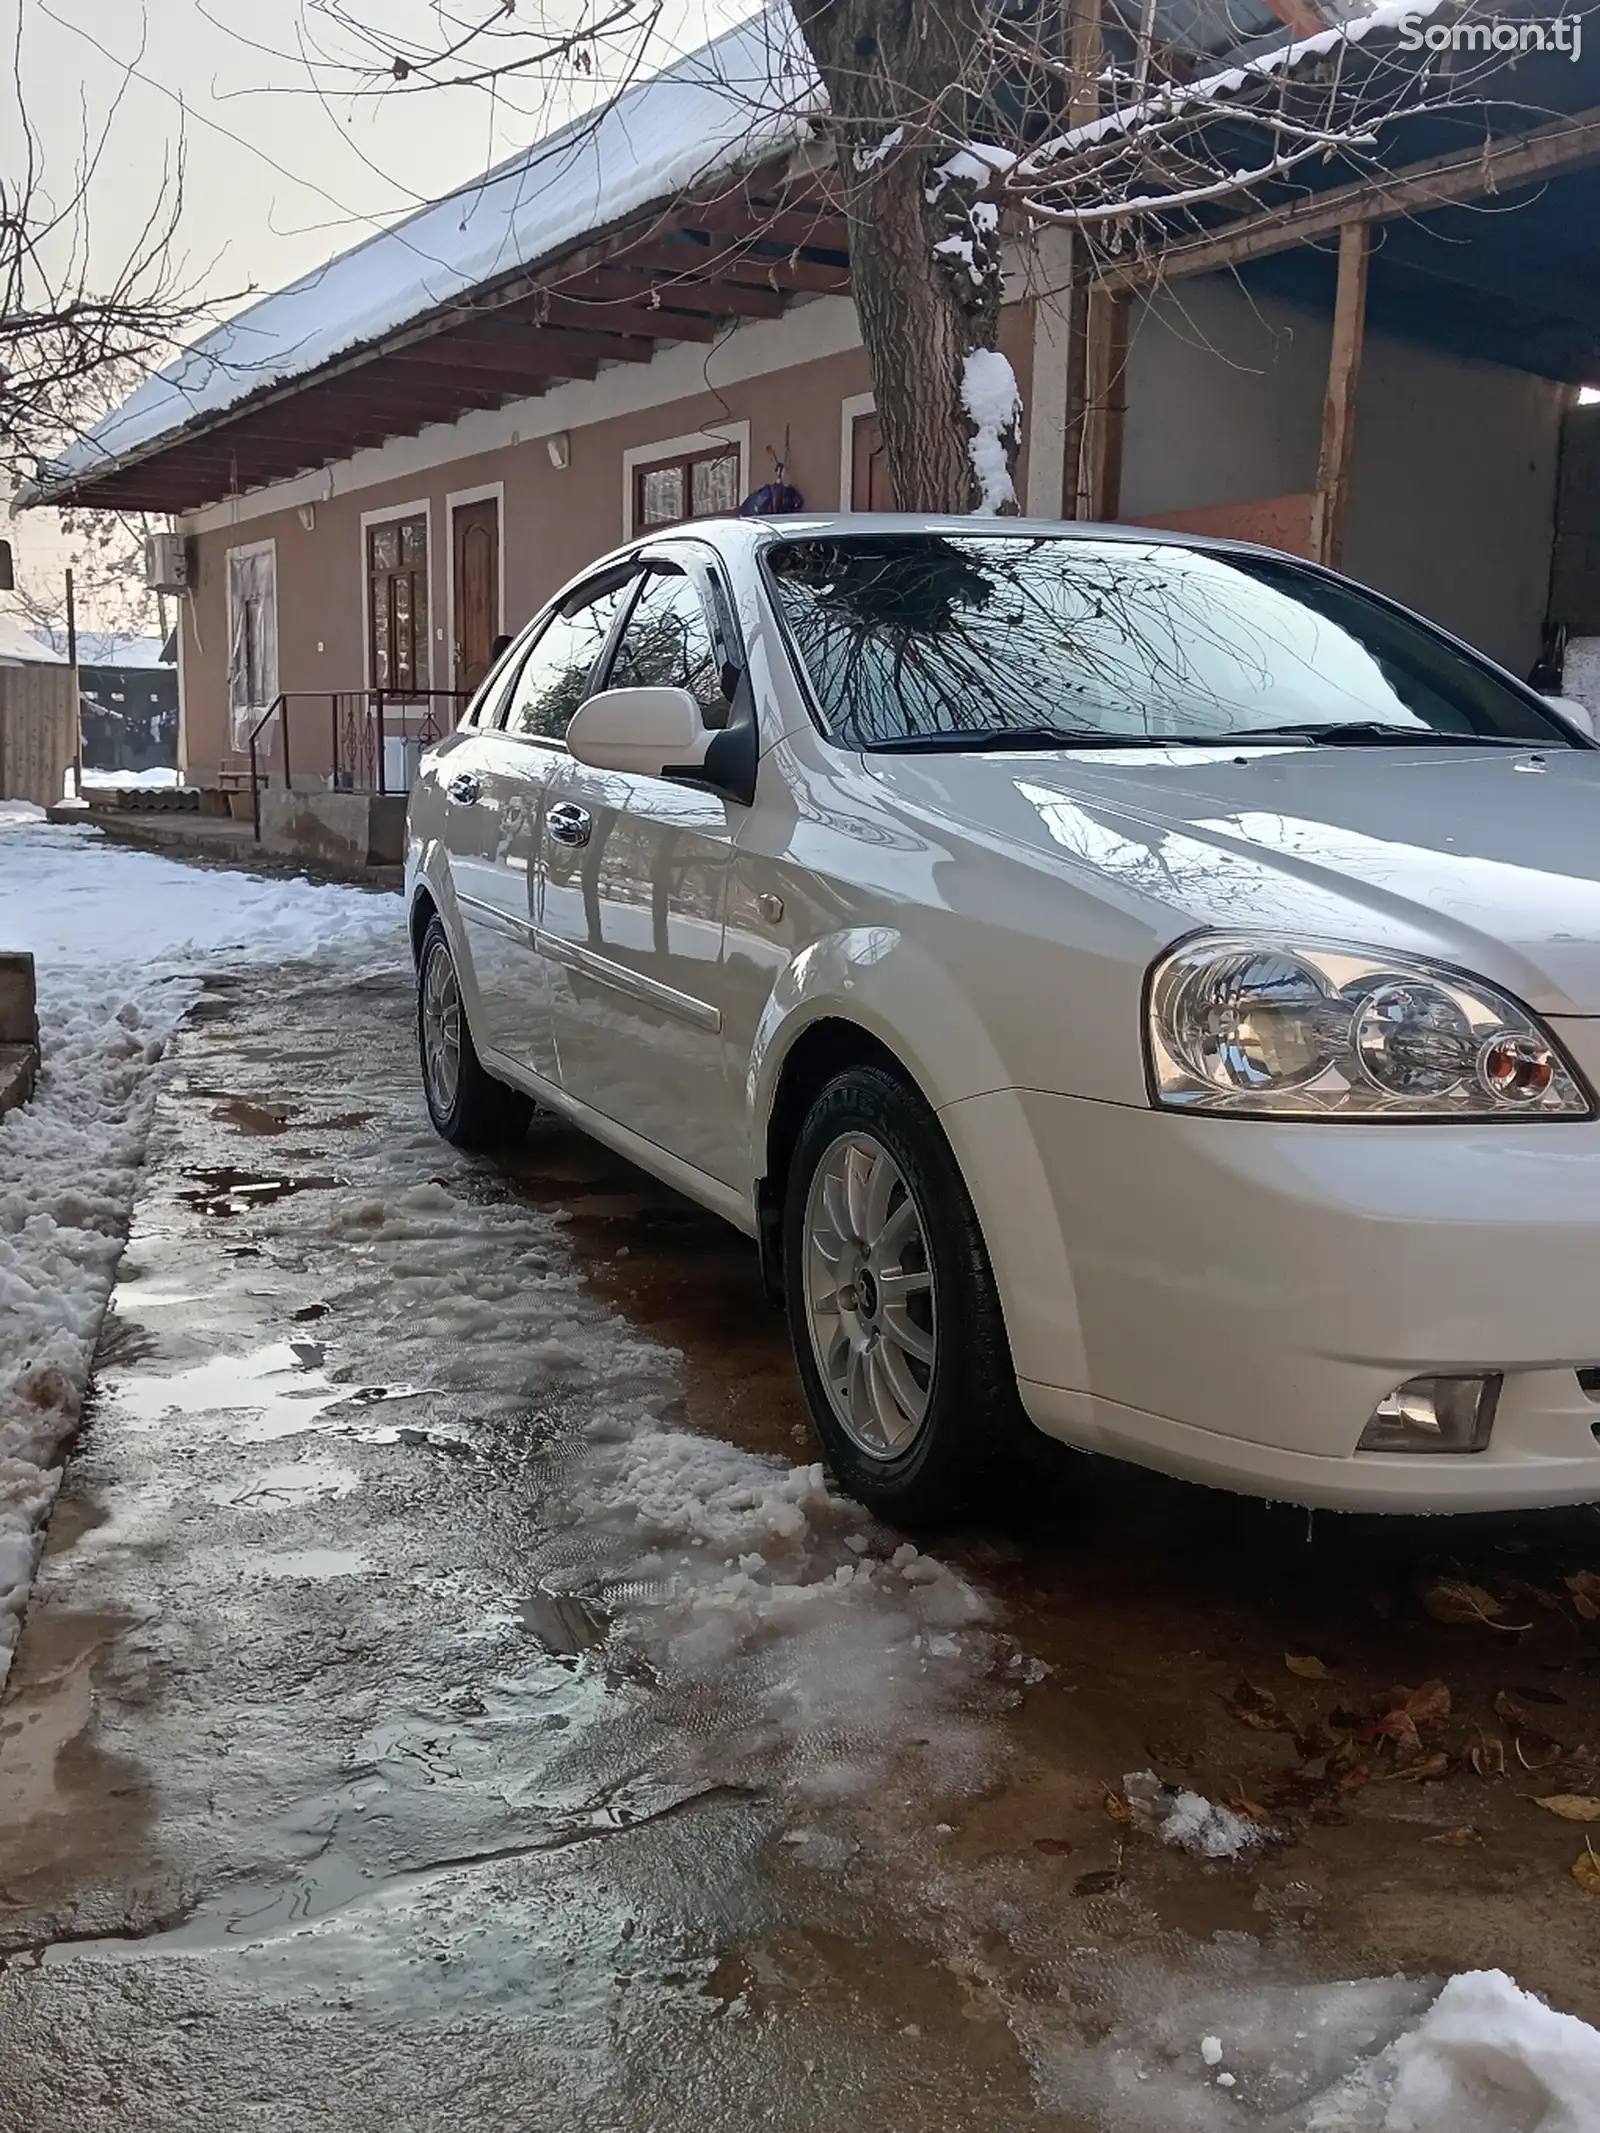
924, 240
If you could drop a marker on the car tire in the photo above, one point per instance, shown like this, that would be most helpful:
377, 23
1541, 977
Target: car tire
943, 1371
468, 1106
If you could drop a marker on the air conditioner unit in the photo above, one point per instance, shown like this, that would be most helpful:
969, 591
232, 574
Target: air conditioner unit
166, 563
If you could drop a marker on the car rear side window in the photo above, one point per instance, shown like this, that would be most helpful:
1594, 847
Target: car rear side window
666, 643
556, 674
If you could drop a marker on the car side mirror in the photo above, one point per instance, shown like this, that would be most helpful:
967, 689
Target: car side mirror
647, 731
1572, 713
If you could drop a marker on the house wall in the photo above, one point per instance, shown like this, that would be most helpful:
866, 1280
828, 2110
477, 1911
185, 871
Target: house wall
789, 380
1452, 488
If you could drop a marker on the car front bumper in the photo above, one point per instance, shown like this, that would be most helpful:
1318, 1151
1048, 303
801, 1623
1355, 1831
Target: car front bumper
1229, 1299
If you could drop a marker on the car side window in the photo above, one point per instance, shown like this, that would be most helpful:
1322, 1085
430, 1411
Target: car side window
666, 643
488, 707
556, 674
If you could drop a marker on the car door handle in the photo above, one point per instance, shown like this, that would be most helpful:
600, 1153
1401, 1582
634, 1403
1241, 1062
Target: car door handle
568, 824
465, 788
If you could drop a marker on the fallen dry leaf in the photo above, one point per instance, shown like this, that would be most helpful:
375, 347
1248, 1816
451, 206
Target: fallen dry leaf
1259, 1708
1537, 1751
1586, 1871
1487, 1756
1462, 1835
1431, 1766
1241, 1803
1052, 1845
1534, 1695
1399, 1726
1570, 1806
1454, 1600
1508, 1708
1584, 1586
1116, 1806
1100, 1883
1306, 1664
1429, 1704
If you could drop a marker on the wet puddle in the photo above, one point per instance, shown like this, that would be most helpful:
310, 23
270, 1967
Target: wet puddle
283, 1386
312, 1565
563, 1622
227, 1191
246, 1115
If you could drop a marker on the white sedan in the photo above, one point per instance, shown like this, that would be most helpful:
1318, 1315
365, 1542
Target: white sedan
1142, 987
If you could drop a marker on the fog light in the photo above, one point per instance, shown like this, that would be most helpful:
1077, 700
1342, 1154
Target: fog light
1434, 1415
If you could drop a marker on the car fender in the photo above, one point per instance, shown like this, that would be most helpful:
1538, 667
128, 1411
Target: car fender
876, 979
429, 872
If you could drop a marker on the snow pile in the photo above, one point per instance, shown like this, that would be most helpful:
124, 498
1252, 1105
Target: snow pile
1370, 2055
1485, 2055
1188, 1820
831, 1646
121, 940
994, 408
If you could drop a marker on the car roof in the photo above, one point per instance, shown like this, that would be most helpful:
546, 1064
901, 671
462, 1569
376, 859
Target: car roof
745, 533
746, 536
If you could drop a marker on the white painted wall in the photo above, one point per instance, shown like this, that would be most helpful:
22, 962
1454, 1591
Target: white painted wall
1452, 492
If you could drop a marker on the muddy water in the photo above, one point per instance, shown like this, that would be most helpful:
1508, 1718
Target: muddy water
363, 1766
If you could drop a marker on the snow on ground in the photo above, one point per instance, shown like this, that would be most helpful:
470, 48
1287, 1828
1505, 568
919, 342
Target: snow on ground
1218, 2045
121, 940
1188, 1819
815, 1647
792, 1646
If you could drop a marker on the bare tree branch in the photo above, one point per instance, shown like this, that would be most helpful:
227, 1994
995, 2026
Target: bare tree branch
75, 338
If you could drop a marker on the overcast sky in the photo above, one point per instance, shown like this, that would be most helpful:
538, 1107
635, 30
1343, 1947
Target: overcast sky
277, 178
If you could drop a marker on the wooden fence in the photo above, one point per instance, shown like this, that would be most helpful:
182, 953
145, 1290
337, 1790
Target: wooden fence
38, 732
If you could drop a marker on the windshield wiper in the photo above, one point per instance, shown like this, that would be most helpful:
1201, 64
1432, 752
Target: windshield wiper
991, 737
1372, 733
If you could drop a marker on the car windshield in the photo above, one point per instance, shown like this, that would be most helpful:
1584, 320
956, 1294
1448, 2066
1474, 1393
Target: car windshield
924, 639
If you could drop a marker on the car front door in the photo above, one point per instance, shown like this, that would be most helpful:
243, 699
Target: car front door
496, 798
635, 873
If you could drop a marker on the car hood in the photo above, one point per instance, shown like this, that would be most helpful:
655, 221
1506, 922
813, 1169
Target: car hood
1486, 857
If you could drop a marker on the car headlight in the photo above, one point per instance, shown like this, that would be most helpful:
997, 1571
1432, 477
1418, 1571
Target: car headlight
1248, 1025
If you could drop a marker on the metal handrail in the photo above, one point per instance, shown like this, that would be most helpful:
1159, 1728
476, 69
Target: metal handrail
370, 708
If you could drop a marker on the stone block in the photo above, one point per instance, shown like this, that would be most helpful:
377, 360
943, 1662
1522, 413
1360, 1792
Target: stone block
19, 1012
345, 829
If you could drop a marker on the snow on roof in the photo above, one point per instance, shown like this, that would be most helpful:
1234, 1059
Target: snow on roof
22, 645
105, 648
748, 94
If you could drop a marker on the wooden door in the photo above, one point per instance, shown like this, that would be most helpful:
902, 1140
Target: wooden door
475, 544
869, 469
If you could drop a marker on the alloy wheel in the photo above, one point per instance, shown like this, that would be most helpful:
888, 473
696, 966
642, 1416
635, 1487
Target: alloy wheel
869, 1295
441, 1027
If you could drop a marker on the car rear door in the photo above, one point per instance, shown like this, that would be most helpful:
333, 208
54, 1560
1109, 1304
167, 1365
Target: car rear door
495, 791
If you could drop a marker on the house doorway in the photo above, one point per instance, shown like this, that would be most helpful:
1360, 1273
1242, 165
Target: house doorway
475, 564
869, 469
